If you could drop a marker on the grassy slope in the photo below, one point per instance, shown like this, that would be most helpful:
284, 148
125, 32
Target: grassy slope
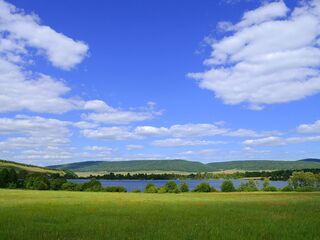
184, 166
29, 168
78, 215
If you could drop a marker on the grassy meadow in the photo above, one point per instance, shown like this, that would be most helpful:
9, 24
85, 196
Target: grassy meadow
87, 215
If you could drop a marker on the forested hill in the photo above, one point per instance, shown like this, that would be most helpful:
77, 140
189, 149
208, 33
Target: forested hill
29, 168
185, 166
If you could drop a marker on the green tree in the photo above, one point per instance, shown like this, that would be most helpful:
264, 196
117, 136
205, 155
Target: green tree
69, 186
4, 178
204, 187
56, 183
92, 186
150, 188
37, 182
171, 187
302, 179
250, 186
183, 187
227, 186
266, 183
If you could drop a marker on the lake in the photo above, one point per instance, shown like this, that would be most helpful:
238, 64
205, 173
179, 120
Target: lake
141, 184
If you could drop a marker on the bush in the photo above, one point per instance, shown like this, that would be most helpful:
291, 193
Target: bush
151, 188
171, 187
115, 189
92, 186
250, 186
136, 191
69, 186
303, 179
307, 189
183, 187
56, 184
287, 189
204, 187
79, 187
270, 189
37, 182
227, 186
162, 189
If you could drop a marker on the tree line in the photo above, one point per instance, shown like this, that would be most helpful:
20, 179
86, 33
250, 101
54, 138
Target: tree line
10, 178
280, 175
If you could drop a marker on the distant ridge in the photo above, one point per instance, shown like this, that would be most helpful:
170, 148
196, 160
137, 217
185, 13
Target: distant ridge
310, 160
186, 166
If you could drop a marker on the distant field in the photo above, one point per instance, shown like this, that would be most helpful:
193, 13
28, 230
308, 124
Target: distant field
79, 215
29, 168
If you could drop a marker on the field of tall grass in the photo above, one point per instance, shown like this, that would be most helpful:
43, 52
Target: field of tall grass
88, 215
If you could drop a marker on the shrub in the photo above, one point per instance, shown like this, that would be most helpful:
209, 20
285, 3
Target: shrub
287, 189
183, 187
266, 183
150, 188
69, 186
204, 187
227, 186
136, 191
37, 182
56, 184
307, 189
171, 187
270, 189
303, 179
79, 187
115, 189
162, 189
250, 186
92, 186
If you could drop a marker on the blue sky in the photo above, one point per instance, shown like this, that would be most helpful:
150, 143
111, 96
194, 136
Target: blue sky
124, 80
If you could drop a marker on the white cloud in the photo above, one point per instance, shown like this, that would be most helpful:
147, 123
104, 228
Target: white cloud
267, 60
278, 141
20, 36
178, 142
134, 147
35, 138
309, 128
109, 133
106, 114
174, 131
36, 92
25, 30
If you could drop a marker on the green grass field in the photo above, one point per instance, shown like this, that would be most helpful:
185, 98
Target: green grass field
85, 215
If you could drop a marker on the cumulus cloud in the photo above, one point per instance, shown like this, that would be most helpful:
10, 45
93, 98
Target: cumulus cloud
35, 138
110, 133
109, 115
309, 128
271, 56
175, 131
278, 141
178, 142
21, 35
36, 92
25, 30
134, 147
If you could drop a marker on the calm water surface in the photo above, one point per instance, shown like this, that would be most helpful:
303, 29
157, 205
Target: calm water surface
141, 184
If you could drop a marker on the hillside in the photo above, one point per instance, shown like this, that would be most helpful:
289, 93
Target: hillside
184, 166
29, 168
132, 166
310, 160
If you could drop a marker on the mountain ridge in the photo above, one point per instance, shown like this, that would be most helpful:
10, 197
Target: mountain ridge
186, 166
